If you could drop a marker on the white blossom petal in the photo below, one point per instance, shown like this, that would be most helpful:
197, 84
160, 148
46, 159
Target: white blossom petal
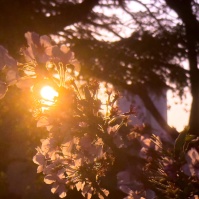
78, 186
40, 168
39, 159
45, 41
6, 59
49, 179
32, 38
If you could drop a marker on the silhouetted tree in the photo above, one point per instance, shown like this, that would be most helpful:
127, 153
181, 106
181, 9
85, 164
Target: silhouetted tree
148, 48
147, 52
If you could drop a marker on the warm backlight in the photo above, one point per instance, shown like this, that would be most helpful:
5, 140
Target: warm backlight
48, 93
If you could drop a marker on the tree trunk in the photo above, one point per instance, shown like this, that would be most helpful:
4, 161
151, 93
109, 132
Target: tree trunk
184, 10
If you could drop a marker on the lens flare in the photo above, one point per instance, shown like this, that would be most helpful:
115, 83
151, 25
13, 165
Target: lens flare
48, 93
104, 98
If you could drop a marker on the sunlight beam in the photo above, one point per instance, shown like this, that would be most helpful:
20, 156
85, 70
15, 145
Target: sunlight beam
48, 93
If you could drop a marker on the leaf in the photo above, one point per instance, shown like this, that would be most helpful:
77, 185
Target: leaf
87, 93
189, 138
112, 121
179, 143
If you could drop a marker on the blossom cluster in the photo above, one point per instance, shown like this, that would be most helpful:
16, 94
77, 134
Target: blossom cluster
85, 142
75, 154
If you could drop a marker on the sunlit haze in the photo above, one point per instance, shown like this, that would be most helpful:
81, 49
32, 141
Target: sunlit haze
178, 111
48, 93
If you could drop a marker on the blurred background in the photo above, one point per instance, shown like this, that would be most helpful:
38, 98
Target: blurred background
146, 48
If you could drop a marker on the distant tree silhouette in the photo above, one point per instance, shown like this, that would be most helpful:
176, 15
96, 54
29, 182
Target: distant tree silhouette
147, 52
150, 56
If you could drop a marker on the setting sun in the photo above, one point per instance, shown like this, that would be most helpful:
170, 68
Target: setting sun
48, 93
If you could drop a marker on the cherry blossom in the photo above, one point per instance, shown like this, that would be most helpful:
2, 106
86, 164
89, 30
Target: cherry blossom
58, 182
6, 60
83, 142
191, 168
117, 139
37, 48
39, 159
43, 53
8, 66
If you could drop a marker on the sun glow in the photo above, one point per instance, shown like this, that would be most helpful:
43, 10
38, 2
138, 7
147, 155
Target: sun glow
48, 93
103, 96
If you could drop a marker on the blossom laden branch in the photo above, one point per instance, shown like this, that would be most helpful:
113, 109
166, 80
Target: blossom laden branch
85, 142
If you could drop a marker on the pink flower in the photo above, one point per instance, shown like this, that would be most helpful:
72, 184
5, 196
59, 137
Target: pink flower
117, 139
60, 54
38, 47
67, 146
80, 185
146, 144
43, 51
113, 129
6, 59
191, 168
127, 184
91, 150
48, 146
87, 189
58, 182
45, 59
8, 65
39, 159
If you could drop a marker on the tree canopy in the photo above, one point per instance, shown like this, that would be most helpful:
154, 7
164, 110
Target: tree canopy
149, 42
138, 45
